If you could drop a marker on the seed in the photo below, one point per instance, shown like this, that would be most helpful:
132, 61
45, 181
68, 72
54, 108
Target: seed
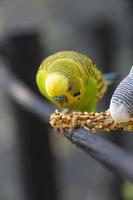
56, 111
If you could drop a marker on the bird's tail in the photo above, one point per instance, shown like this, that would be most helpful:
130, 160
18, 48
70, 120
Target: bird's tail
110, 77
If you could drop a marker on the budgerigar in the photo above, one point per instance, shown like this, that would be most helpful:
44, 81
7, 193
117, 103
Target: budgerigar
71, 80
121, 104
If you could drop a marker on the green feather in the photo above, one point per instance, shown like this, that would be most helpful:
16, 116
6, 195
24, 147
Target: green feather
81, 74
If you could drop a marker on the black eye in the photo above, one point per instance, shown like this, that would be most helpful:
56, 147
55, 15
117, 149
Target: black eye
76, 94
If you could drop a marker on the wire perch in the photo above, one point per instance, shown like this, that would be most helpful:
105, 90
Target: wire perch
91, 121
107, 153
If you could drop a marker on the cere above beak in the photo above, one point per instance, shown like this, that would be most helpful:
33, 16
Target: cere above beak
60, 99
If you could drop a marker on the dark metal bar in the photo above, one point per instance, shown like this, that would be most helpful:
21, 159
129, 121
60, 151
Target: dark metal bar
23, 95
113, 157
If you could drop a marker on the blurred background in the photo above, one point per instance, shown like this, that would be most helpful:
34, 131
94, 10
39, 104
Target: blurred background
36, 163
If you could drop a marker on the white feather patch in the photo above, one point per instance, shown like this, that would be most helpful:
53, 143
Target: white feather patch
119, 112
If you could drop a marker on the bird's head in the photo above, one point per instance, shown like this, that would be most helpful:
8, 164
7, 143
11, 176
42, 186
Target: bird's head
63, 91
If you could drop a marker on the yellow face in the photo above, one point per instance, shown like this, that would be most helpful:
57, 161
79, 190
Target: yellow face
59, 89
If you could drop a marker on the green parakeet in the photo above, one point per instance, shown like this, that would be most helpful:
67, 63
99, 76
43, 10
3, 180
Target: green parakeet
71, 80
